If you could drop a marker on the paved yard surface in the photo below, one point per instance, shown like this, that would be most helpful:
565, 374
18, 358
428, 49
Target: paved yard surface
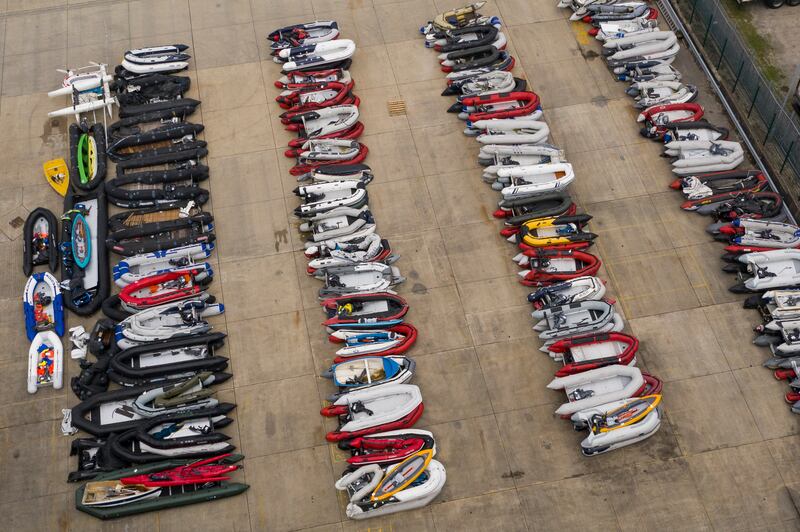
728, 453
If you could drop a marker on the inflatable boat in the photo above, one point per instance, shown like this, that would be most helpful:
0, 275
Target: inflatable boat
535, 179
781, 336
343, 172
292, 80
158, 54
190, 227
717, 186
548, 266
148, 89
776, 304
158, 110
87, 148
369, 372
748, 236
40, 241
647, 45
584, 288
390, 407
596, 387
644, 72
467, 37
371, 248
509, 131
497, 60
627, 423
658, 119
43, 305
321, 152
582, 353
88, 90
368, 277
615, 29
326, 196
758, 205
454, 19
45, 361
324, 122
137, 267
169, 360
167, 321
373, 491
128, 139
302, 34
470, 59
498, 105
701, 156
489, 83
84, 272
395, 340
777, 268
164, 288
364, 311
497, 156
387, 447
650, 93
339, 225
517, 211
315, 55
701, 130
312, 97
132, 491
557, 231
575, 319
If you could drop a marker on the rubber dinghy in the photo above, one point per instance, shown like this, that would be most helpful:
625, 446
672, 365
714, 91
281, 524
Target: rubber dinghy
320, 152
387, 447
499, 105
621, 423
777, 268
336, 226
132, 491
548, 266
164, 288
699, 156
487, 83
393, 341
467, 37
369, 372
84, 273
700, 130
575, 319
650, 45
368, 277
313, 56
137, 267
40, 241
369, 311
43, 305
657, 119
597, 387
163, 59
555, 231
498, 60
582, 353
168, 360
517, 211
650, 93
326, 196
159, 228
168, 321
536, 179
389, 407
776, 304
509, 131
585, 288
456, 18
758, 205
292, 80
45, 361
717, 186
749, 236
371, 248
87, 148
411, 484
302, 34
148, 89
314, 96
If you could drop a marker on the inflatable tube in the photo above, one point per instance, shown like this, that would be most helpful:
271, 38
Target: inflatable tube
40, 241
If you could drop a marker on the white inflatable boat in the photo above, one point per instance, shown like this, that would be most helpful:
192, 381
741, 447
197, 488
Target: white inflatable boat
597, 387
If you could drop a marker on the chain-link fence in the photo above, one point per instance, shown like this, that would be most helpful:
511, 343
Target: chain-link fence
776, 129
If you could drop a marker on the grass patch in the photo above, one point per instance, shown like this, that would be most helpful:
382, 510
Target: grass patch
759, 45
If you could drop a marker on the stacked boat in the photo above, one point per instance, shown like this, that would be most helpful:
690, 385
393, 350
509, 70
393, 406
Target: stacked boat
390, 464
762, 243
607, 395
156, 439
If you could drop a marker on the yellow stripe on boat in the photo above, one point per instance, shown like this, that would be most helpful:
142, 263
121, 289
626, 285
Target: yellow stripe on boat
426, 454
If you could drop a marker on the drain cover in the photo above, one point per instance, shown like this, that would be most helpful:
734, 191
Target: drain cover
396, 107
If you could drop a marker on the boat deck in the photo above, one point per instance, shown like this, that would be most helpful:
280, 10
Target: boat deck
727, 455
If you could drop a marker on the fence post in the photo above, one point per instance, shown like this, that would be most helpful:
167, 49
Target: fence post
769, 128
738, 75
722, 52
694, 8
708, 29
753, 103
791, 145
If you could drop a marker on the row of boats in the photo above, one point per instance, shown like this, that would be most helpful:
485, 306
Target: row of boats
762, 243
156, 439
391, 465
606, 394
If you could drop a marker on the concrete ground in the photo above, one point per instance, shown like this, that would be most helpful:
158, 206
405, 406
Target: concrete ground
726, 457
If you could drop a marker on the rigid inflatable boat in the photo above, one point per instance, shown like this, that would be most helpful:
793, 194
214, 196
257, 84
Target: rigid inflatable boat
343, 172
615, 29
302, 34
598, 12
640, 72
387, 447
40, 241
748, 236
87, 148
368, 277
701, 156
582, 353
548, 266
781, 336
155, 59
132, 491
627, 423
647, 45
137, 267
535, 179
498, 105
759, 205
324, 122
493, 82
43, 305
596, 387
496, 156
338, 225
164, 288
45, 361
650, 93
381, 342
292, 80
168, 360
514, 212
576, 318
369, 372
313, 96
776, 304
326, 196
371, 248
584, 288
658, 119
315, 55
467, 37
770, 269
411, 484
84, 272
320, 152
701, 130
456, 18
362, 412
509, 131
364, 311
552, 232
495, 60
167, 321
717, 186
